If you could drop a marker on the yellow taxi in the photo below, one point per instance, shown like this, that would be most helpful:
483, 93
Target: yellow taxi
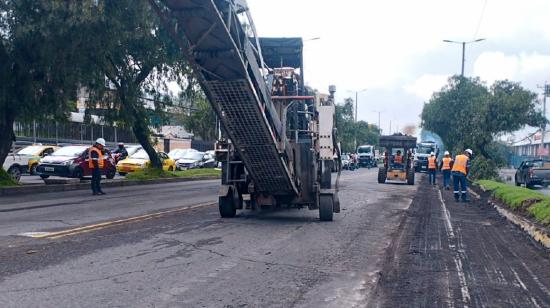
140, 160
36, 153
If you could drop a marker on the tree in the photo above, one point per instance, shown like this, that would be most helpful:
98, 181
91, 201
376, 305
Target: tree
349, 131
39, 61
201, 119
134, 52
468, 114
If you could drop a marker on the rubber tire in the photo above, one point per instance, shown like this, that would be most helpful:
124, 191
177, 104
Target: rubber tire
15, 173
227, 205
171, 169
78, 173
410, 177
32, 170
382, 174
516, 181
122, 173
44, 176
326, 207
110, 174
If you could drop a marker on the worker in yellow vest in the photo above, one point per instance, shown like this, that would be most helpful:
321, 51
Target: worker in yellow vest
96, 163
432, 167
445, 166
461, 167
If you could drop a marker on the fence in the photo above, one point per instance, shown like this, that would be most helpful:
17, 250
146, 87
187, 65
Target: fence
71, 132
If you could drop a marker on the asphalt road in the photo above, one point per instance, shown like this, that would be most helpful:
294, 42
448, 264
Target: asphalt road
392, 246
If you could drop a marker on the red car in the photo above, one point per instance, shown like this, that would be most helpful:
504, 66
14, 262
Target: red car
72, 161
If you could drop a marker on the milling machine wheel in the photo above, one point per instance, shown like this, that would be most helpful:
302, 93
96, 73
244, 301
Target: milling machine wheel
410, 177
382, 173
227, 205
326, 207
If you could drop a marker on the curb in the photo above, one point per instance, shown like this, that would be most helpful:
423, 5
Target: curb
536, 232
40, 188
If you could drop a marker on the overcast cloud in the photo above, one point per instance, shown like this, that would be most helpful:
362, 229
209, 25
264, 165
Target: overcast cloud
395, 49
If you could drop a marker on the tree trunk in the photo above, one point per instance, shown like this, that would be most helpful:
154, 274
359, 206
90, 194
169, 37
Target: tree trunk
141, 131
6, 135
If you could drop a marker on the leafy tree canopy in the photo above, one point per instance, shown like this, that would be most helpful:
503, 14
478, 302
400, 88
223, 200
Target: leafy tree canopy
349, 131
468, 114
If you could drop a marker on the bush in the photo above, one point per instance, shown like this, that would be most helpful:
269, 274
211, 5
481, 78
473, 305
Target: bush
483, 168
5, 179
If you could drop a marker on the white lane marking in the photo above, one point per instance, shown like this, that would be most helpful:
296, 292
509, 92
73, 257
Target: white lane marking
458, 263
524, 287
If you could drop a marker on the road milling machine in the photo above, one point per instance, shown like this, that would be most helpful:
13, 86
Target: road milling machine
278, 143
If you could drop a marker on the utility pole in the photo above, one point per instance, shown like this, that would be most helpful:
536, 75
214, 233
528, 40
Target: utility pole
546, 93
355, 115
463, 50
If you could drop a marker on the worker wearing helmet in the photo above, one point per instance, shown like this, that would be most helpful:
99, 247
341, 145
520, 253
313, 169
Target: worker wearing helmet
432, 167
121, 152
446, 166
96, 163
461, 167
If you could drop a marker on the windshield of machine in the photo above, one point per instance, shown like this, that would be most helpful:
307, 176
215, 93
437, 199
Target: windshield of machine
30, 150
72, 151
363, 150
141, 154
425, 149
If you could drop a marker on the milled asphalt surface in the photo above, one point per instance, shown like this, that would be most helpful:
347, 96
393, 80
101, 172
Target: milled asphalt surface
392, 246
196, 259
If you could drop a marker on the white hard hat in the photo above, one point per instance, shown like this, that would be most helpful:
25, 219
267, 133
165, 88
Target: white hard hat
469, 152
432, 154
100, 141
447, 153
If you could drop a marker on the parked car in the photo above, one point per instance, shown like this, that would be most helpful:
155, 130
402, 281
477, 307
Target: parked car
208, 161
140, 161
346, 163
533, 172
26, 160
192, 160
177, 154
72, 162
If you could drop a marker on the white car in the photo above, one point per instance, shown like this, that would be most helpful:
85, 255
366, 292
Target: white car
177, 154
191, 160
18, 163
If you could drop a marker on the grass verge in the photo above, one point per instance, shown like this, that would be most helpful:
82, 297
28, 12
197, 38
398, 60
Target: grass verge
150, 174
520, 199
5, 179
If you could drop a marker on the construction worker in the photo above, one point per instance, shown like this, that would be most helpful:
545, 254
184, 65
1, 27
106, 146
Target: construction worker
96, 163
445, 166
461, 167
432, 167
398, 160
120, 152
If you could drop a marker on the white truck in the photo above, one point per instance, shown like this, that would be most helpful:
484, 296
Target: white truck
366, 156
423, 151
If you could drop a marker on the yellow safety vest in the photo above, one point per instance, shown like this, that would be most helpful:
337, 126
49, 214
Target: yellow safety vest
432, 162
446, 163
461, 164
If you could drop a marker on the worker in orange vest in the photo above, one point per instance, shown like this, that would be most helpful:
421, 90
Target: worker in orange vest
432, 167
460, 170
445, 166
398, 160
96, 163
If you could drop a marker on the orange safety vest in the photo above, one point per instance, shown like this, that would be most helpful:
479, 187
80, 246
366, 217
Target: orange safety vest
432, 162
446, 163
101, 162
461, 163
398, 159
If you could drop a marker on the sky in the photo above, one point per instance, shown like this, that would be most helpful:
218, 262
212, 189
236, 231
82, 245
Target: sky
394, 48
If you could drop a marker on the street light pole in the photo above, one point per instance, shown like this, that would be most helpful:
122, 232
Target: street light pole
463, 50
355, 115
